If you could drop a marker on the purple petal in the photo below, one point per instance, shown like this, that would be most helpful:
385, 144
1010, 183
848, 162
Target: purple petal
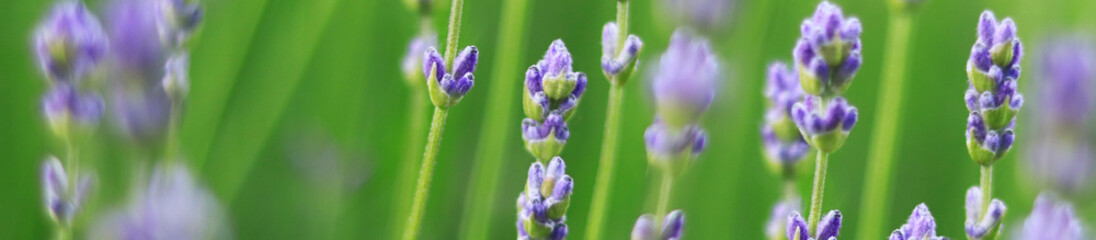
797, 227
830, 225
432, 61
987, 25
673, 225
465, 63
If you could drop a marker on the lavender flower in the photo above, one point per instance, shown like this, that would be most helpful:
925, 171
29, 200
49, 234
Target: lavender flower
684, 83
542, 207
828, 228
447, 88
982, 223
670, 148
62, 202
545, 139
920, 226
992, 97
703, 14
173, 206
672, 227
828, 53
138, 100
552, 92
177, 20
825, 125
65, 108
1052, 218
774, 228
783, 144
618, 62
1061, 153
70, 42
412, 60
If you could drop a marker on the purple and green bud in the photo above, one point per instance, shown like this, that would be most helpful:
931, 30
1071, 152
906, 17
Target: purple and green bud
545, 139
70, 42
920, 226
828, 228
685, 81
992, 97
412, 60
783, 144
828, 52
1052, 218
177, 20
775, 227
617, 62
982, 223
141, 108
671, 149
1060, 154
66, 108
447, 88
825, 124
62, 201
552, 93
542, 206
673, 227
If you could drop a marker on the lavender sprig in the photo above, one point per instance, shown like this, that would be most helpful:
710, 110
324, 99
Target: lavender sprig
983, 220
542, 207
992, 96
552, 93
1061, 153
171, 205
783, 144
920, 226
69, 43
63, 200
1052, 218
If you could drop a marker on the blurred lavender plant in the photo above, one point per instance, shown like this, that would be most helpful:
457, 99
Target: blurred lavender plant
173, 205
177, 20
784, 146
1061, 154
709, 15
683, 86
920, 226
63, 200
775, 226
992, 97
552, 93
412, 60
673, 227
983, 222
542, 207
69, 43
140, 105
447, 88
618, 61
1051, 218
829, 228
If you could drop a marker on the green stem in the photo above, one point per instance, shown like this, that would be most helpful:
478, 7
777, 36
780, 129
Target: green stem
605, 165
987, 188
881, 152
454, 32
64, 233
172, 139
819, 187
433, 142
664, 197
622, 24
789, 189
480, 204
415, 129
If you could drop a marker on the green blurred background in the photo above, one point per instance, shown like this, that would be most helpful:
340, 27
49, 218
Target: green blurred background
278, 81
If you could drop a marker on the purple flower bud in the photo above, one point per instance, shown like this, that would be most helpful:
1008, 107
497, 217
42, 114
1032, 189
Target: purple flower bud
976, 128
465, 63
684, 83
559, 233
432, 61
664, 143
980, 58
413, 59
172, 204
836, 118
830, 43
778, 217
64, 106
55, 189
797, 227
644, 228
987, 25
447, 88
557, 60
674, 225
176, 76
70, 42
1052, 218
541, 216
977, 225
614, 59
135, 41
829, 226
921, 225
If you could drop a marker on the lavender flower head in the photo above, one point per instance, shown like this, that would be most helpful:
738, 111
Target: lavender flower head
920, 226
173, 206
412, 60
1052, 218
828, 52
70, 42
447, 88
62, 201
673, 227
138, 101
784, 146
1061, 153
684, 83
66, 108
552, 93
828, 228
825, 124
702, 14
982, 223
992, 98
177, 20
775, 227
542, 207
672, 149
618, 62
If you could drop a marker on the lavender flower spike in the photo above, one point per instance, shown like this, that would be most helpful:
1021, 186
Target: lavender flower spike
552, 92
982, 223
992, 72
783, 145
684, 82
542, 207
173, 205
618, 62
447, 88
66, 108
1061, 154
774, 228
828, 228
412, 60
62, 202
828, 52
670, 148
1052, 218
824, 124
70, 42
920, 226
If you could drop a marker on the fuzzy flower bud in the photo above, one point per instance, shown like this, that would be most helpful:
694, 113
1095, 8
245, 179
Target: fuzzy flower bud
173, 205
774, 228
672, 227
542, 207
992, 72
412, 60
672, 149
447, 88
66, 108
979, 224
177, 20
70, 42
824, 124
920, 226
1061, 152
784, 146
684, 83
62, 202
618, 62
1052, 218
552, 86
828, 52
828, 228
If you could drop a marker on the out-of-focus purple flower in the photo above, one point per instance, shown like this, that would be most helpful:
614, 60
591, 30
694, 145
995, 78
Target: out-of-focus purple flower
62, 202
177, 20
673, 226
70, 42
412, 60
685, 81
828, 228
172, 206
176, 81
668, 147
65, 107
644, 228
980, 222
138, 100
704, 14
542, 207
775, 227
783, 144
828, 52
992, 70
552, 86
824, 124
448, 87
1060, 152
920, 226
618, 62
1052, 218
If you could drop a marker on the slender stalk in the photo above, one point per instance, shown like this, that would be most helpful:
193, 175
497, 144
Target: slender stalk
881, 152
63, 233
819, 187
433, 142
622, 23
987, 188
454, 31
172, 139
415, 129
480, 203
605, 165
789, 189
663, 197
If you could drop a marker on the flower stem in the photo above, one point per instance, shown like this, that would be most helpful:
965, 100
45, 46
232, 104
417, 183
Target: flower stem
819, 187
454, 31
605, 165
789, 189
987, 188
664, 197
415, 129
878, 171
172, 141
494, 134
433, 142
